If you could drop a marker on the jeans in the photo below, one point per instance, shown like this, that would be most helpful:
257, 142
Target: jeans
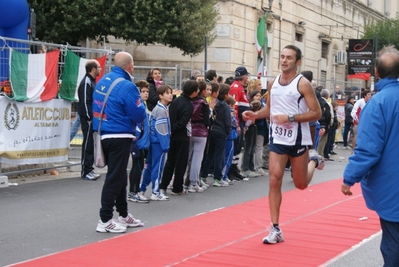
316, 136
347, 128
75, 127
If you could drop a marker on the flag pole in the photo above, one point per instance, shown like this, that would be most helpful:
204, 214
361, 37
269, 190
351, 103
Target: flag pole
265, 45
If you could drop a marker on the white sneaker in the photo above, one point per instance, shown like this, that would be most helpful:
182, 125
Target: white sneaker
275, 236
203, 184
129, 221
158, 197
96, 175
111, 226
262, 172
230, 182
91, 176
139, 197
250, 174
220, 183
163, 191
313, 155
195, 189
216, 183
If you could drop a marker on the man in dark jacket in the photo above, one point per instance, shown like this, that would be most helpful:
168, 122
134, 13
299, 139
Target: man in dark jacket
85, 93
325, 121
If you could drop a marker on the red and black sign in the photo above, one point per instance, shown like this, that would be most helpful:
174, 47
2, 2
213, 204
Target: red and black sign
360, 59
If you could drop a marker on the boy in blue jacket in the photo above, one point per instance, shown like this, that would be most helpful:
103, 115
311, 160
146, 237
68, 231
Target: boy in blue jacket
139, 150
159, 143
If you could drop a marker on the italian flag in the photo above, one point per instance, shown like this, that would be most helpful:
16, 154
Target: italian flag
73, 73
260, 38
34, 77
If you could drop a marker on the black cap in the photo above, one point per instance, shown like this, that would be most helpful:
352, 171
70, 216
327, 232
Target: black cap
241, 71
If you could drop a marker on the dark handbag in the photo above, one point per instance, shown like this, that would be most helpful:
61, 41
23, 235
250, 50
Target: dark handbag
99, 158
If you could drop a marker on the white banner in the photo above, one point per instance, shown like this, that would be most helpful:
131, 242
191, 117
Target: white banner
33, 133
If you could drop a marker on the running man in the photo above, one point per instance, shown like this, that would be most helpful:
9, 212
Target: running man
291, 106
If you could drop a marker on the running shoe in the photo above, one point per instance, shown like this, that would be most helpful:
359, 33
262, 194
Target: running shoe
313, 155
227, 180
129, 221
91, 176
158, 197
262, 172
138, 197
203, 183
275, 236
195, 189
112, 226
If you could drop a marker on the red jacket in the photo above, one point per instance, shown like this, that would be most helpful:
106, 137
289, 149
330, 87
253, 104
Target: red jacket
240, 95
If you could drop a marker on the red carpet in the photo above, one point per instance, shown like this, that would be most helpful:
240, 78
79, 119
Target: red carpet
318, 224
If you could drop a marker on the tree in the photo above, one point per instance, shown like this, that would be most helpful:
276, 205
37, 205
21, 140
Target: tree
176, 23
388, 32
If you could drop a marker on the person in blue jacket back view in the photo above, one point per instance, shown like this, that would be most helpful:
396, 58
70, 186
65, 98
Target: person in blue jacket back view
375, 160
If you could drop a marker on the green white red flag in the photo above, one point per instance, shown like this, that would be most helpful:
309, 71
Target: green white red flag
34, 77
260, 37
73, 73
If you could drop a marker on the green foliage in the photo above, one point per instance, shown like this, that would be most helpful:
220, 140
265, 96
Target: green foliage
175, 23
387, 30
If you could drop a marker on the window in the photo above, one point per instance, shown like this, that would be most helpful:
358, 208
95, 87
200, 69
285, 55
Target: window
298, 37
324, 49
387, 8
269, 27
323, 78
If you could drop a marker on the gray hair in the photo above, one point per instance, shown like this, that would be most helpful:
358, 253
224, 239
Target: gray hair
325, 93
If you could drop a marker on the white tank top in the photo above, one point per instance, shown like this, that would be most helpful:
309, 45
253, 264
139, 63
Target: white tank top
286, 99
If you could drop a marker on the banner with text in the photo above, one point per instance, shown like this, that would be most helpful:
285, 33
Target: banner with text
360, 59
33, 133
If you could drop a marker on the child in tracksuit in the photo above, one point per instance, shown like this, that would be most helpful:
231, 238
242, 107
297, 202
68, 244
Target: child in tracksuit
139, 149
159, 143
229, 151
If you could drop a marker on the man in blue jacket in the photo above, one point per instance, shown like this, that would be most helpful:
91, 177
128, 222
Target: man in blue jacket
375, 162
123, 110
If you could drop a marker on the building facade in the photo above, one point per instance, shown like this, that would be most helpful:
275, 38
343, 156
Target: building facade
321, 28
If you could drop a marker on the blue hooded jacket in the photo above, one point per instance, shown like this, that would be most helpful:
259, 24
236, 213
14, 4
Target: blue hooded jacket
160, 129
124, 108
375, 162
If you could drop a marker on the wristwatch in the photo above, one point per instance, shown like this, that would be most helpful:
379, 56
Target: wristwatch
291, 118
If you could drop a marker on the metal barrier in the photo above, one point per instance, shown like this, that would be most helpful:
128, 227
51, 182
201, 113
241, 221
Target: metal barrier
27, 46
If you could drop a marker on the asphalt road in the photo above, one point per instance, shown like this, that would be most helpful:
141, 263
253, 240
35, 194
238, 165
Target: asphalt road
44, 215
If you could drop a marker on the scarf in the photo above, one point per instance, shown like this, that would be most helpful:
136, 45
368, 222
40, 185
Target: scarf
158, 83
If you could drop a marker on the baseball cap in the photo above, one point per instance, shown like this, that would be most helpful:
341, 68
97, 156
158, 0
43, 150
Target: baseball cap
241, 71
